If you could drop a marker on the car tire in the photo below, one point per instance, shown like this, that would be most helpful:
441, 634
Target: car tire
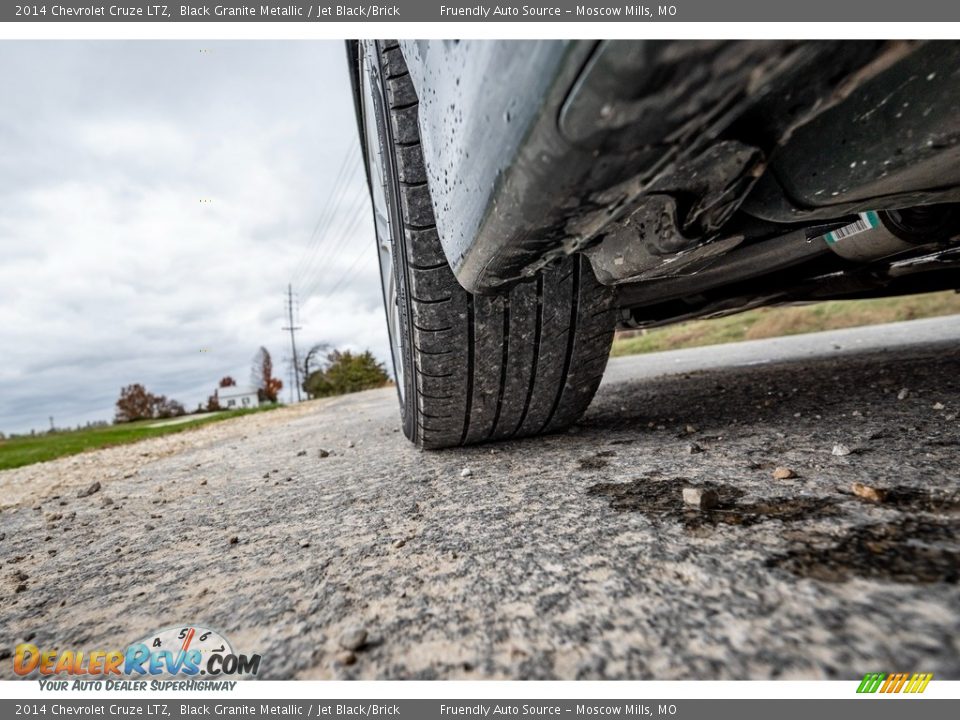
470, 368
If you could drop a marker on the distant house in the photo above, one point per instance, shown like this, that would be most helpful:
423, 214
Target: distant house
234, 397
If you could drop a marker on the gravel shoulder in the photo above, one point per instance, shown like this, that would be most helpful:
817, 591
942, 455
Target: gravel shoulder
571, 556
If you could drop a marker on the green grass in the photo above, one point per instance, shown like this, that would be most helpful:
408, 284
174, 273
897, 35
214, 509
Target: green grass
792, 320
28, 449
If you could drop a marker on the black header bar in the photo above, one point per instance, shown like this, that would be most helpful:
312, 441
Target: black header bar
484, 11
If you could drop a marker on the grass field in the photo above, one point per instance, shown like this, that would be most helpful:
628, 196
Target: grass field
29, 449
794, 320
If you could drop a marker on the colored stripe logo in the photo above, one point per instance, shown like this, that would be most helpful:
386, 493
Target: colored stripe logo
894, 683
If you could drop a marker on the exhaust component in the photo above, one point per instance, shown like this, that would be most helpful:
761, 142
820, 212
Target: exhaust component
866, 239
876, 235
742, 263
873, 236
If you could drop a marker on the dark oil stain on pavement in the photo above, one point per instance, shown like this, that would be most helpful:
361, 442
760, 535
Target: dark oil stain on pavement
664, 499
909, 498
597, 461
909, 550
914, 549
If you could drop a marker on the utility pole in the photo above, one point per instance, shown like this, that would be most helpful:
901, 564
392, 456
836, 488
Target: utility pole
293, 340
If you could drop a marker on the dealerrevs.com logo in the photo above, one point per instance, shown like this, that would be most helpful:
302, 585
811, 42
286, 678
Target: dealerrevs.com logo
908, 683
188, 651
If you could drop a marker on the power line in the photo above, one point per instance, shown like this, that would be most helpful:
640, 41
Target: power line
346, 232
348, 275
293, 340
354, 205
343, 181
314, 236
344, 198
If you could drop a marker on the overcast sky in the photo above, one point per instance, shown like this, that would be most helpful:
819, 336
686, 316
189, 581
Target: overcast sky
112, 269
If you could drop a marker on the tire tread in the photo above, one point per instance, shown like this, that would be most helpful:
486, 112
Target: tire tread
488, 368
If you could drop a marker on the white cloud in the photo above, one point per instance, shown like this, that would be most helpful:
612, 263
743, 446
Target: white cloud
115, 272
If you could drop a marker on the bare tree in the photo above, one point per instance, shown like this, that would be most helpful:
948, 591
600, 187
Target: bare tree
312, 361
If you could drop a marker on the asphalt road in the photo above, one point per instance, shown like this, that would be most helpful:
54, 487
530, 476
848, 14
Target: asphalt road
571, 556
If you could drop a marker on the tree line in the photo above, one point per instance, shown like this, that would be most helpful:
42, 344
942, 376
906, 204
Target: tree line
325, 373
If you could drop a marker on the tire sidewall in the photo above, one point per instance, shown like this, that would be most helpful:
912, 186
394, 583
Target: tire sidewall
371, 64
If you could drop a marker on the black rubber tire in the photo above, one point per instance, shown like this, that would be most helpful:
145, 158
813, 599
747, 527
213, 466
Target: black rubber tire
481, 368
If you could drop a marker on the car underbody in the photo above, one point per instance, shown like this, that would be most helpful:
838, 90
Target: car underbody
699, 177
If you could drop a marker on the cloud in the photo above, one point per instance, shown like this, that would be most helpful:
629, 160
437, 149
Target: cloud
154, 203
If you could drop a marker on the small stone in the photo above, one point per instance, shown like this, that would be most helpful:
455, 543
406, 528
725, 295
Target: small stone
203, 482
304, 543
20, 588
266, 476
466, 472
691, 429
324, 453
877, 495
353, 638
107, 501
234, 540
694, 448
783, 473
351, 444
399, 543
840, 450
938, 406
302, 453
148, 527
702, 498
346, 658
902, 395
94, 488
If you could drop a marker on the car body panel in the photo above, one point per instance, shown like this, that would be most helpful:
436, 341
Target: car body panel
479, 101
